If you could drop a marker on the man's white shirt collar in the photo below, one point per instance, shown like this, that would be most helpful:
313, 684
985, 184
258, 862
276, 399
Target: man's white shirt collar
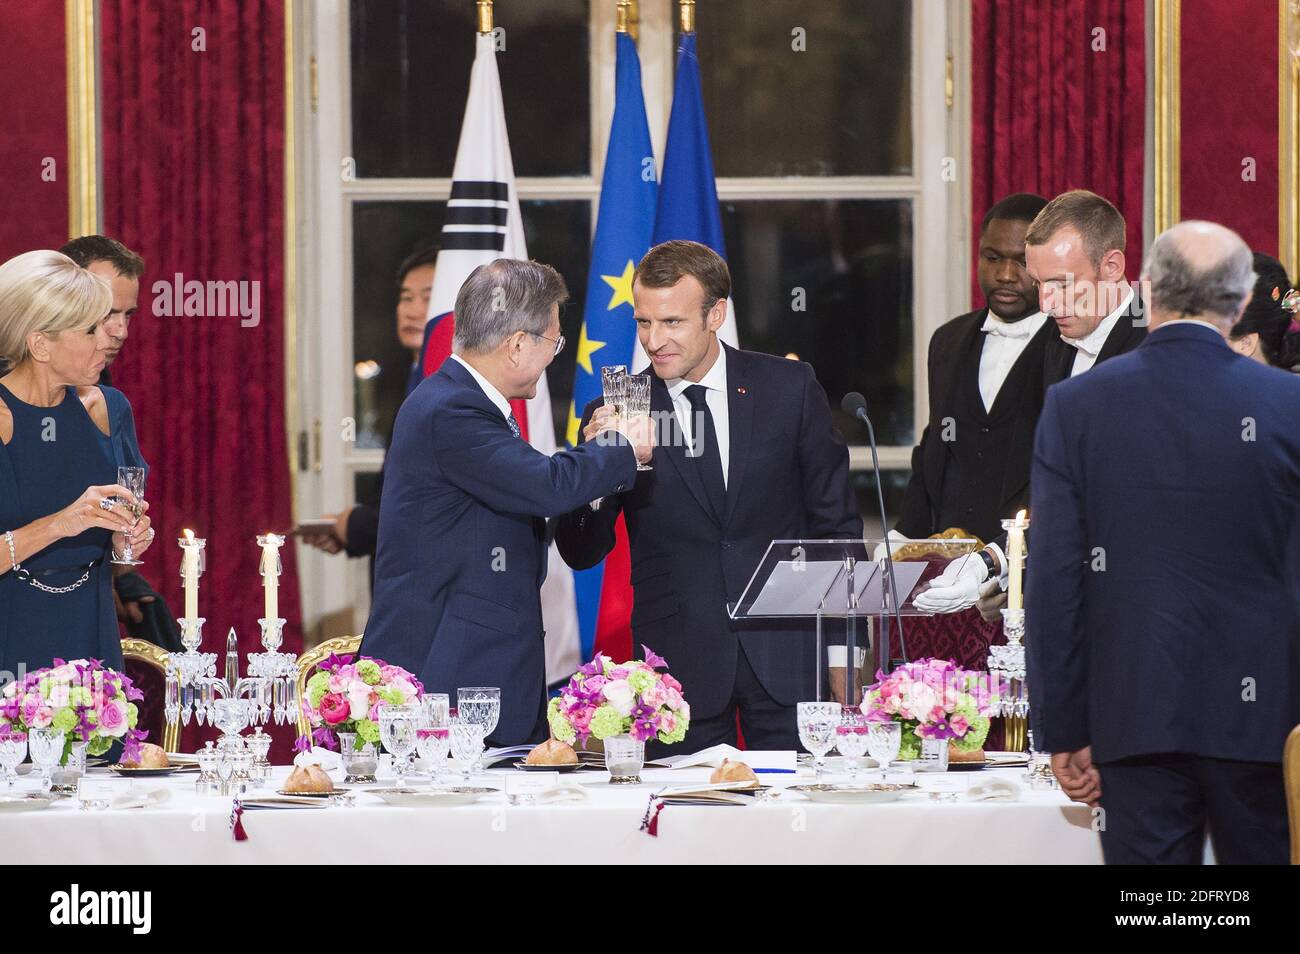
495, 396
1092, 344
714, 380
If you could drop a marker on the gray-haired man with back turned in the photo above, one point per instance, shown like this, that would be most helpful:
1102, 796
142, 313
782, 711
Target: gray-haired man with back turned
462, 531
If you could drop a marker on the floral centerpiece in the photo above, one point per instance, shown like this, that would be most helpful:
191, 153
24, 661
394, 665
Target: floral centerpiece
933, 699
605, 699
82, 698
345, 697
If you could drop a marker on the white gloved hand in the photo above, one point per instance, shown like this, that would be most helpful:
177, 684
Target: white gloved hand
956, 588
895, 538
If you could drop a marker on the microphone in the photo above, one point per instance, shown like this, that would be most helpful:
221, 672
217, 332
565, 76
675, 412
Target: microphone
855, 405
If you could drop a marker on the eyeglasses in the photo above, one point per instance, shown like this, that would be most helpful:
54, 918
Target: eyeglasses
558, 342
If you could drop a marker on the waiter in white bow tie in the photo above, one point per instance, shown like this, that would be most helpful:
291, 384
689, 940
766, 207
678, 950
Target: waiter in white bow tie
971, 468
1074, 256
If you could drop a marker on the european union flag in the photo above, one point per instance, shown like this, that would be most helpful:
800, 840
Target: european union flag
624, 224
688, 196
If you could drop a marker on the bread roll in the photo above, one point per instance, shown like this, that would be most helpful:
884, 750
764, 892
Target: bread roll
730, 771
308, 779
552, 752
957, 756
151, 756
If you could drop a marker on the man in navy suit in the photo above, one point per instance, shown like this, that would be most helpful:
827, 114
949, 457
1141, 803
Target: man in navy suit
1162, 612
758, 460
462, 533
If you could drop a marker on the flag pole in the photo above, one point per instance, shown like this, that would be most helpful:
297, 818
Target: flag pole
687, 10
484, 15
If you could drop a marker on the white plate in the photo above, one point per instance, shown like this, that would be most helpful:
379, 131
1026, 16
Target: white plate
25, 802
853, 794
432, 797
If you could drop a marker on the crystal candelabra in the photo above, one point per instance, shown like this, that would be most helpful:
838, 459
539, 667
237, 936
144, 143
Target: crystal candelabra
271, 686
1008, 662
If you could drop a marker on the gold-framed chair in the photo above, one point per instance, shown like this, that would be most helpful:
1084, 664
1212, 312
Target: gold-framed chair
340, 645
1291, 775
156, 658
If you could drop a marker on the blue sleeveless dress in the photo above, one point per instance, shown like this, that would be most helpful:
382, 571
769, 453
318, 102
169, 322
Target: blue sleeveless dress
54, 455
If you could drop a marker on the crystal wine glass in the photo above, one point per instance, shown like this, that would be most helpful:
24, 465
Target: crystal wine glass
480, 704
613, 380
132, 478
817, 724
437, 706
883, 742
851, 739
433, 742
47, 749
466, 746
638, 402
397, 725
13, 749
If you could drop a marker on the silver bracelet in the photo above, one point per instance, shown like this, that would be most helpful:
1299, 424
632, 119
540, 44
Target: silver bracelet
13, 554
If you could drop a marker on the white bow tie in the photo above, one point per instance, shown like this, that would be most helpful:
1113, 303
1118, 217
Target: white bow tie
1006, 329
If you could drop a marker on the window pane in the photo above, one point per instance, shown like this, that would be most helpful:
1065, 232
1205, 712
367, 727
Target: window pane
831, 281
410, 77
383, 234
842, 107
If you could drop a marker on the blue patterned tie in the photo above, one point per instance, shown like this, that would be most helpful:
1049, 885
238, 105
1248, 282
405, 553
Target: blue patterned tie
514, 425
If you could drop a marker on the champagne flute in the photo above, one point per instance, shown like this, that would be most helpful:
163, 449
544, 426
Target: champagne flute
817, 723
132, 478
613, 380
638, 402
480, 705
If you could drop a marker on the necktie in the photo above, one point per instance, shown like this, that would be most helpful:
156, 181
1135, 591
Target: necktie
707, 458
514, 425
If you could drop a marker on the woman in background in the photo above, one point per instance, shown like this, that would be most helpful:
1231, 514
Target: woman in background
1269, 329
61, 516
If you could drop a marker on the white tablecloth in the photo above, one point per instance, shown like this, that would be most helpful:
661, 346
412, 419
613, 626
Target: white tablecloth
1042, 827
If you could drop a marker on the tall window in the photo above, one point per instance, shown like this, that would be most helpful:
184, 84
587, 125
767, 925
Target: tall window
817, 133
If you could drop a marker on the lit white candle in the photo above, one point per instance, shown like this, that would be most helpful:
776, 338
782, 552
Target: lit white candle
270, 544
190, 574
1016, 559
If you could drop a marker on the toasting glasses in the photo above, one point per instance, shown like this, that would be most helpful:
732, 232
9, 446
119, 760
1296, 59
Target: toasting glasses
628, 394
132, 478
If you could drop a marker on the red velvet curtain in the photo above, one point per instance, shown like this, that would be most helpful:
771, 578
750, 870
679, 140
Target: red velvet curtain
34, 104
193, 145
1058, 102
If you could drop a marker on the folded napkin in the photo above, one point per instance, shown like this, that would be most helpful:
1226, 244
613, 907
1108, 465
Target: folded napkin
994, 790
327, 760
149, 799
562, 793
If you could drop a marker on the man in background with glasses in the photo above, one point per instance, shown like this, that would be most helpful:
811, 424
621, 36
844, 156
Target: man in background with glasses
462, 530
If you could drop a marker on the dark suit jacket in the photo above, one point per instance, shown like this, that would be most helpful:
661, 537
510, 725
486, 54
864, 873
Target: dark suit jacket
462, 552
787, 478
953, 342
1129, 332
1181, 462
